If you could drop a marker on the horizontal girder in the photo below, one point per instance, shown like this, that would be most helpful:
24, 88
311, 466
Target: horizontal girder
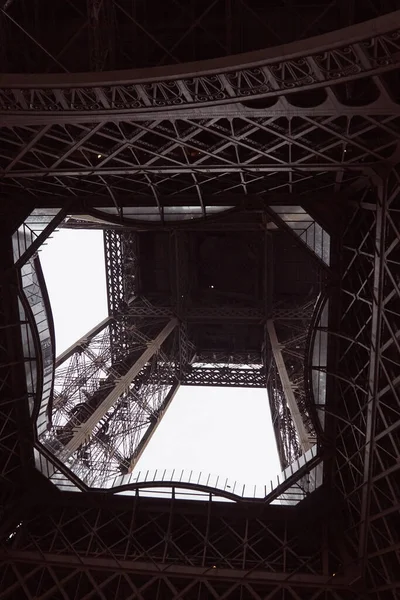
317, 581
199, 158
364, 50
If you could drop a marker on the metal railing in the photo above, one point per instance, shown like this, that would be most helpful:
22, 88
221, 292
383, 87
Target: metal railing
287, 484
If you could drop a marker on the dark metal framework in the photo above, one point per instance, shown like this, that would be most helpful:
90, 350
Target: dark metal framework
316, 126
108, 34
174, 549
99, 429
367, 463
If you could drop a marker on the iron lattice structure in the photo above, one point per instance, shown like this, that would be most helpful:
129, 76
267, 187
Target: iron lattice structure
163, 307
275, 150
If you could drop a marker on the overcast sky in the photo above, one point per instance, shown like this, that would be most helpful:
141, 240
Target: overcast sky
226, 432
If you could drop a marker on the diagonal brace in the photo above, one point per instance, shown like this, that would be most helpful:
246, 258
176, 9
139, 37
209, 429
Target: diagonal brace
287, 388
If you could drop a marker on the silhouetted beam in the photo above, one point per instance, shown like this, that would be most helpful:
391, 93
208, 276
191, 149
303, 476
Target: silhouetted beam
83, 204
109, 563
374, 365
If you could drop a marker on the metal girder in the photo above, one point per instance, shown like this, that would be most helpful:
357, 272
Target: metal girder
218, 159
251, 202
198, 574
215, 375
84, 431
380, 553
267, 551
351, 372
288, 388
53, 130
91, 373
114, 253
39, 237
282, 108
225, 376
367, 445
373, 374
213, 313
285, 432
364, 50
183, 169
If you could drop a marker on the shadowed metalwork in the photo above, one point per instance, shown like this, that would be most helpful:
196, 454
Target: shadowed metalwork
250, 208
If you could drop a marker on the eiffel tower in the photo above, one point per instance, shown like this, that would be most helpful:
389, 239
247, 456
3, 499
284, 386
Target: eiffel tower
242, 161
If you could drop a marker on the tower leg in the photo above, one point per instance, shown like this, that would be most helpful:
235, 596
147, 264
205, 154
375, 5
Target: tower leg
287, 387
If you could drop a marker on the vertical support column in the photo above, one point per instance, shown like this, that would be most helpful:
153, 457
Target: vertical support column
180, 295
373, 375
84, 431
180, 271
120, 251
268, 283
287, 388
113, 254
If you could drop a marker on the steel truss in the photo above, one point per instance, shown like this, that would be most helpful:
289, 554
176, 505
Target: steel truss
128, 307
197, 156
101, 407
59, 151
88, 374
218, 369
367, 414
99, 429
367, 379
287, 353
172, 550
202, 134
372, 51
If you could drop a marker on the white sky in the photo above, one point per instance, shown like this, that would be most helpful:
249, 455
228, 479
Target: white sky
226, 432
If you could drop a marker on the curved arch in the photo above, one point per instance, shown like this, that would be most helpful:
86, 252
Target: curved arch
315, 375
284, 488
33, 331
235, 491
183, 485
44, 372
310, 371
351, 53
50, 325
